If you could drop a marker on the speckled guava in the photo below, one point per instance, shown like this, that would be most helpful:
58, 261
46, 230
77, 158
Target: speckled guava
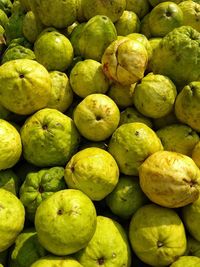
179, 51
127, 23
95, 36
93, 80
111, 8
40, 185
187, 105
12, 215
26, 249
9, 181
49, 138
154, 232
53, 261
71, 222
179, 138
170, 179
109, 246
189, 261
96, 117
10, 145
61, 92
131, 144
93, 171
154, 96
191, 13
25, 86
125, 61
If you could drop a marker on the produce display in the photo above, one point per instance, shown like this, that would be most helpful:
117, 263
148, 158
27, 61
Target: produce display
99, 133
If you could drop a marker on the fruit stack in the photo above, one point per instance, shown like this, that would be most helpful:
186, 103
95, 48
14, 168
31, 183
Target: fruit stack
99, 133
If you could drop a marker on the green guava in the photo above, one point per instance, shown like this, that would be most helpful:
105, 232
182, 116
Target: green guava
153, 233
93, 171
25, 86
179, 50
130, 114
131, 144
3, 18
71, 222
53, 261
31, 27
112, 8
127, 197
190, 217
154, 96
49, 138
9, 181
40, 185
187, 105
74, 38
17, 52
10, 145
93, 80
125, 61
140, 7
55, 13
170, 179
193, 247
6, 6
96, 117
127, 23
10, 226
95, 36
61, 92
26, 249
109, 246
58, 46
179, 138
189, 261
191, 13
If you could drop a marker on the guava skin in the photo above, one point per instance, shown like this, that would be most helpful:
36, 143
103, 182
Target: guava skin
60, 217
53, 261
188, 261
49, 138
191, 13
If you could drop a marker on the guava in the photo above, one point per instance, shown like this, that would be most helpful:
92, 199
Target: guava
127, 23
154, 96
143, 40
165, 17
125, 61
109, 246
17, 52
10, 145
58, 46
3, 18
187, 105
49, 138
127, 197
31, 27
112, 8
95, 36
96, 117
74, 38
170, 179
131, 114
140, 7
26, 249
6, 6
144, 26
61, 92
154, 232
121, 94
53, 261
55, 13
191, 13
190, 217
179, 50
196, 154
193, 247
189, 261
93, 171
179, 138
71, 222
131, 144
10, 226
25, 86
40, 185
9, 181
93, 80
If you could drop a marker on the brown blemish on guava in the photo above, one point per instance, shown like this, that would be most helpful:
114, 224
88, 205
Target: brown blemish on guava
101, 261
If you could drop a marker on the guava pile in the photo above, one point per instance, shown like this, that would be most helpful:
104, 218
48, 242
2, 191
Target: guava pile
99, 133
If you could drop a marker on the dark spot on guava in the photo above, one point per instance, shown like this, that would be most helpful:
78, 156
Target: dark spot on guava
21, 76
190, 183
104, 18
178, 58
137, 133
59, 212
98, 118
41, 189
101, 261
160, 244
72, 169
168, 13
45, 127
128, 115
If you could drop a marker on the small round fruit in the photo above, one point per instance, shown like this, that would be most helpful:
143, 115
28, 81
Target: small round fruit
188, 261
